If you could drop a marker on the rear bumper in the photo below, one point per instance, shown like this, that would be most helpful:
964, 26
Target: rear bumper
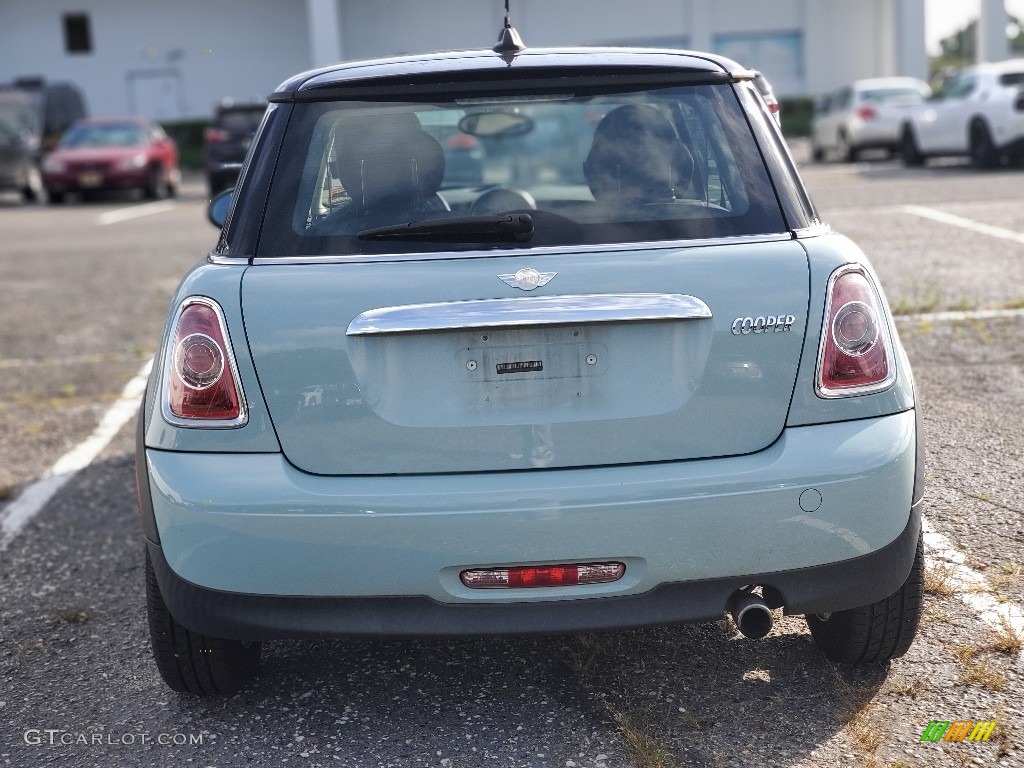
875, 136
249, 547
70, 182
850, 583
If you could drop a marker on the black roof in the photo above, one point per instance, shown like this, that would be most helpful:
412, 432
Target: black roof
434, 67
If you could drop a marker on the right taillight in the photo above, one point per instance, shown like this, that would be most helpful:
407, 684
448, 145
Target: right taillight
854, 357
201, 387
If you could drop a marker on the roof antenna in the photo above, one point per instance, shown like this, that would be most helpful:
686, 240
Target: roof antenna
510, 44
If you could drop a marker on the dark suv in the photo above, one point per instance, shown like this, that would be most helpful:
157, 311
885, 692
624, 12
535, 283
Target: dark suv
33, 116
226, 141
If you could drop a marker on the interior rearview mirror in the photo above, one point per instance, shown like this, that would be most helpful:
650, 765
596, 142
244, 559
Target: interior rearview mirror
496, 124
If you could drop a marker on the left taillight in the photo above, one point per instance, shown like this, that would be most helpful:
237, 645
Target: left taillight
867, 112
855, 354
201, 387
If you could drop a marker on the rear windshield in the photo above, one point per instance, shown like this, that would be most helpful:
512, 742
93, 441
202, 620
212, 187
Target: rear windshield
586, 167
19, 114
241, 121
105, 135
888, 95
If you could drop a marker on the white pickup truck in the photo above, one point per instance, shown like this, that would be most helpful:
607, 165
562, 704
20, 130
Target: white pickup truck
980, 114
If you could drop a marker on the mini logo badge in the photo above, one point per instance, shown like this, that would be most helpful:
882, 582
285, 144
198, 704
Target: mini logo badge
527, 278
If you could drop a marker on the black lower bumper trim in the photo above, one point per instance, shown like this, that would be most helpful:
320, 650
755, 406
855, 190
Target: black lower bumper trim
820, 589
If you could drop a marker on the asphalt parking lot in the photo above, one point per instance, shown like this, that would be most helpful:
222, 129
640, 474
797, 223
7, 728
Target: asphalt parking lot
83, 292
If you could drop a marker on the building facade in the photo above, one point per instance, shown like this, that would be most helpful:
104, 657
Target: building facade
174, 60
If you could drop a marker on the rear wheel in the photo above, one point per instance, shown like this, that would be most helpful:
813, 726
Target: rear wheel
983, 150
193, 663
56, 198
912, 156
877, 632
847, 152
156, 187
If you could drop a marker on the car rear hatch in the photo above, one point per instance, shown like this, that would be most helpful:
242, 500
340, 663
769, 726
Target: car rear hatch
444, 365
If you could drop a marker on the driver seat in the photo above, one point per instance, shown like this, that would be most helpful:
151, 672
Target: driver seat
636, 158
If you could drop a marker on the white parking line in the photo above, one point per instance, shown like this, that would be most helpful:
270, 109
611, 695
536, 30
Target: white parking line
959, 317
971, 587
960, 221
35, 496
134, 212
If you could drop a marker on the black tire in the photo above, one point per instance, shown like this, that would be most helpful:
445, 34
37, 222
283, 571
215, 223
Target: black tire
984, 154
156, 187
193, 663
875, 633
847, 152
912, 157
56, 198
817, 153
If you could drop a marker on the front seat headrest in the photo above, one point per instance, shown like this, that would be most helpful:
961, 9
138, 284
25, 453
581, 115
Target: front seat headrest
636, 157
388, 161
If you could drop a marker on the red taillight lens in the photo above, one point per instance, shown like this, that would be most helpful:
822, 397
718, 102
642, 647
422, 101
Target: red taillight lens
461, 140
201, 381
867, 113
854, 357
215, 135
527, 576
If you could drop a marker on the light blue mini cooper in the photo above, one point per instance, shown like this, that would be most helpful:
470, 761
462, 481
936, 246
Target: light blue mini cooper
525, 341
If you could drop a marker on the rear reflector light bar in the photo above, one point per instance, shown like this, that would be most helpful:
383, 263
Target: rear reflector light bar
528, 576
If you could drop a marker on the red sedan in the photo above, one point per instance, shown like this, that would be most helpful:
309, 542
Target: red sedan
113, 153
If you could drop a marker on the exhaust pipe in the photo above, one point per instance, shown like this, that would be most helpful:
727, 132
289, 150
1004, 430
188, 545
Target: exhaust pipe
751, 614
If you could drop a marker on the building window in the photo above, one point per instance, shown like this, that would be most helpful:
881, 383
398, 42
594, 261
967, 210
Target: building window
77, 35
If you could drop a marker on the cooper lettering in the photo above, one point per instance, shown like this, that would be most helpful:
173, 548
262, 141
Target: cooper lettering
743, 326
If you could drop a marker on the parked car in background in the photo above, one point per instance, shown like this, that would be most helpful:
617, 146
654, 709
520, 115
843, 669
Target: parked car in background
632, 380
34, 115
111, 153
868, 114
226, 141
768, 94
979, 114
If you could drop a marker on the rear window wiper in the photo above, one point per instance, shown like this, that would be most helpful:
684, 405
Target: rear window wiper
489, 228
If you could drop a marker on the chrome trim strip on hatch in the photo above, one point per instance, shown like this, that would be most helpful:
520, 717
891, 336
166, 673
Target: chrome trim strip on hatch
539, 310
